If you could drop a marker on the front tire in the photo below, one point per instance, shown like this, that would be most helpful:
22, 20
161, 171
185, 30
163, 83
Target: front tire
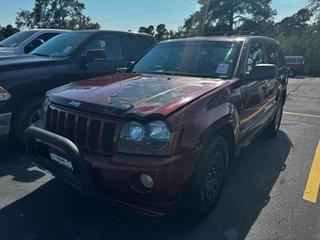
25, 116
209, 177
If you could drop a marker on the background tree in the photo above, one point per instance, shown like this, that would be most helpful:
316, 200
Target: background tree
221, 16
314, 7
7, 31
296, 24
65, 14
147, 30
160, 33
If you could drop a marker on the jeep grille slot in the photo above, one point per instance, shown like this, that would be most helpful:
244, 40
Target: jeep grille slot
89, 133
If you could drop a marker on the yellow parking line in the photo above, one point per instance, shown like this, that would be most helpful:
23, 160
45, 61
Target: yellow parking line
312, 187
301, 114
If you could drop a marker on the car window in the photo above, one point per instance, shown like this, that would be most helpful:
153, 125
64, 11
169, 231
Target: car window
38, 41
46, 36
62, 45
255, 56
16, 39
110, 43
136, 46
271, 54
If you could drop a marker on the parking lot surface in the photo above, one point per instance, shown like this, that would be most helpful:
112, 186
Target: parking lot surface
262, 199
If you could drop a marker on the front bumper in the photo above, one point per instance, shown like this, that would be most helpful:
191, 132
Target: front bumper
115, 178
5, 121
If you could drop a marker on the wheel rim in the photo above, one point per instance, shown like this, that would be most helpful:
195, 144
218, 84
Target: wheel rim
214, 178
34, 117
279, 116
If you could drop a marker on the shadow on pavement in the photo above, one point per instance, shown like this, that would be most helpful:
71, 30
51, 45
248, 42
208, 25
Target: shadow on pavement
14, 163
55, 212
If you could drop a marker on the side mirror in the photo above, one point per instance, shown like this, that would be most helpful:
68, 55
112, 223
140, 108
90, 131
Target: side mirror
95, 55
33, 45
262, 72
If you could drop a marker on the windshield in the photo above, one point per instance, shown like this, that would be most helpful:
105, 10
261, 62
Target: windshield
62, 45
16, 39
200, 59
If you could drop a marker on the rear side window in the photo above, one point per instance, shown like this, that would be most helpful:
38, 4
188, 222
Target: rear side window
136, 46
271, 54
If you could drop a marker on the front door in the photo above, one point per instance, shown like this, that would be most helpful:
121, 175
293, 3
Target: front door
254, 93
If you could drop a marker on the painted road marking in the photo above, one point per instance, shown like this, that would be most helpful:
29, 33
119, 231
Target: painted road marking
313, 184
301, 114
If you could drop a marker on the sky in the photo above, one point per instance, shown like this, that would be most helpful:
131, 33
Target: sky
131, 14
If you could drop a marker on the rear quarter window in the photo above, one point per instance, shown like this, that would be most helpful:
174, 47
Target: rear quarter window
136, 45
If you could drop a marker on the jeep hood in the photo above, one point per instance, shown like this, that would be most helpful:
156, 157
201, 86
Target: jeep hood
124, 94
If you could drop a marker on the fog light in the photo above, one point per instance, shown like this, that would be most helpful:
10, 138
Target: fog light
146, 181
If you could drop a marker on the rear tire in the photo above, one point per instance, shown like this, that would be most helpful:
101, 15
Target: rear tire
274, 126
208, 178
25, 116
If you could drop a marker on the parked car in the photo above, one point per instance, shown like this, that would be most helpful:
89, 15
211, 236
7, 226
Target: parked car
26, 41
164, 133
66, 58
295, 65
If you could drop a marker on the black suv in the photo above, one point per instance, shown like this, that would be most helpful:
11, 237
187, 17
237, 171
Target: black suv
66, 58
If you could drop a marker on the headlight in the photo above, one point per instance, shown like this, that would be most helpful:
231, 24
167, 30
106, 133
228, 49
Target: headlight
4, 95
152, 138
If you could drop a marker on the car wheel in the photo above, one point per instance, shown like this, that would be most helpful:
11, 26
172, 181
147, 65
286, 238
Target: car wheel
208, 178
273, 128
27, 115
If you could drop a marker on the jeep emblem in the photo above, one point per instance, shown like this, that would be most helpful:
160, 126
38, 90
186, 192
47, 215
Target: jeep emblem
75, 104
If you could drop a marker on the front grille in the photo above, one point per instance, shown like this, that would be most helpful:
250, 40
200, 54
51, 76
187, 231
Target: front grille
90, 133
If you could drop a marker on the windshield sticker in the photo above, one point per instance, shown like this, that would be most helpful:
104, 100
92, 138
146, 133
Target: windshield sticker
67, 50
222, 68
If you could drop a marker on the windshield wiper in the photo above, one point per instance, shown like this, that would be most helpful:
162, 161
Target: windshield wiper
40, 55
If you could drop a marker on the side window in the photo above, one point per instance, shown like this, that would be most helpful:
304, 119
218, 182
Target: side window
38, 41
255, 56
110, 43
271, 54
136, 46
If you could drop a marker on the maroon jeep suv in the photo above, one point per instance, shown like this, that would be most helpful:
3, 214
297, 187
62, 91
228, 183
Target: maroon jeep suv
162, 134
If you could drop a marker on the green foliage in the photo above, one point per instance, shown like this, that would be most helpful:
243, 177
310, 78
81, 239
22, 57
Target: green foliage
221, 16
7, 31
65, 14
160, 33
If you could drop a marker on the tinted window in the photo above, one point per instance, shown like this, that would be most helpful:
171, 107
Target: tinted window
16, 39
255, 56
271, 54
62, 45
204, 59
136, 46
110, 43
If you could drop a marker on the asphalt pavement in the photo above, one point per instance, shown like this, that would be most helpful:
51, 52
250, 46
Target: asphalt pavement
262, 199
